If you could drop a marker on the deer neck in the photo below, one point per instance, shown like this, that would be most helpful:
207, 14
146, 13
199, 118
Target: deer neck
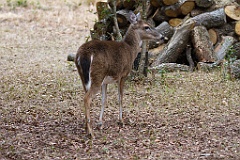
133, 39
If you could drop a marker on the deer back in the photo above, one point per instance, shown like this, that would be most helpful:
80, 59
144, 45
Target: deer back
97, 60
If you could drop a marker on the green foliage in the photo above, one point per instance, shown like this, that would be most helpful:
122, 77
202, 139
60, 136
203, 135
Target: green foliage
163, 76
17, 3
230, 58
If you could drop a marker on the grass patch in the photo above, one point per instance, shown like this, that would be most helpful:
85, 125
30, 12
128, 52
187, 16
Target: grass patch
17, 3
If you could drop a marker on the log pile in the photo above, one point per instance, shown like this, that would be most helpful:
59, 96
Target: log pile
196, 31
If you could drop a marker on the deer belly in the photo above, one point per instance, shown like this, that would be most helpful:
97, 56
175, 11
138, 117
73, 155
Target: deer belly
109, 79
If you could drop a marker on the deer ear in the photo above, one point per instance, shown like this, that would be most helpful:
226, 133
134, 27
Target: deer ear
138, 16
132, 18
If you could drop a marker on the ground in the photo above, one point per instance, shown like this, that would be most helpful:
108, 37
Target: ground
174, 116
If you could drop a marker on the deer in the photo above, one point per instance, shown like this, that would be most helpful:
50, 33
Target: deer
100, 63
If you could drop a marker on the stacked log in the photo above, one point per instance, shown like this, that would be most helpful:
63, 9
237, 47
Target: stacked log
211, 32
197, 30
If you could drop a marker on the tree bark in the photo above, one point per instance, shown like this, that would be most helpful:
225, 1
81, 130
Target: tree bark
114, 11
103, 10
182, 7
171, 67
202, 44
236, 49
235, 69
222, 48
204, 3
122, 18
176, 45
159, 16
189, 57
153, 53
100, 30
143, 67
211, 19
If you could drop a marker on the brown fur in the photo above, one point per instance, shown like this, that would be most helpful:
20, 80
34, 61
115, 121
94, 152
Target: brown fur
110, 58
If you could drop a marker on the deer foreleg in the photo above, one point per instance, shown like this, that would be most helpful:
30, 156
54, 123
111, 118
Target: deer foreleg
120, 96
104, 99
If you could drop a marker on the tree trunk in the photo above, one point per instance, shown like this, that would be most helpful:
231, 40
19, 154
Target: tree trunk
211, 19
222, 48
159, 16
202, 44
153, 53
143, 67
176, 45
102, 10
225, 30
182, 7
122, 18
100, 30
204, 3
114, 11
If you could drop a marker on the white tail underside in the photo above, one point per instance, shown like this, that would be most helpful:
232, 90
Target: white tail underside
88, 85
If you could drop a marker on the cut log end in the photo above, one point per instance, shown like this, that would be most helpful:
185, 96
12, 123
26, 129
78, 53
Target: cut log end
187, 7
175, 22
170, 2
233, 12
213, 36
237, 28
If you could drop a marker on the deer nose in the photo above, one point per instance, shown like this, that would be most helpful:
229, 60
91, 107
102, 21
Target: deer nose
163, 38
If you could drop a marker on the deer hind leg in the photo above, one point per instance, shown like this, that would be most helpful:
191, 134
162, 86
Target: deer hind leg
120, 96
87, 103
104, 99
94, 88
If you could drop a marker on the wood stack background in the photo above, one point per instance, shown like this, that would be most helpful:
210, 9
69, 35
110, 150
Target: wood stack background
198, 32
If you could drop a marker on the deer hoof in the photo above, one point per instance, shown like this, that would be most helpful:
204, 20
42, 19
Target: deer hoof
120, 123
100, 125
90, 135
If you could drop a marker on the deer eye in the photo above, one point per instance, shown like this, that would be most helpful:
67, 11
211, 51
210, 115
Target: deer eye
147, 28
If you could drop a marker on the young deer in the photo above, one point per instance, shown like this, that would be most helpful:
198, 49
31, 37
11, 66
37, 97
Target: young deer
102, 62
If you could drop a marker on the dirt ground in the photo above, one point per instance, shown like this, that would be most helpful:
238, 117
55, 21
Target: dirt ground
175, 116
